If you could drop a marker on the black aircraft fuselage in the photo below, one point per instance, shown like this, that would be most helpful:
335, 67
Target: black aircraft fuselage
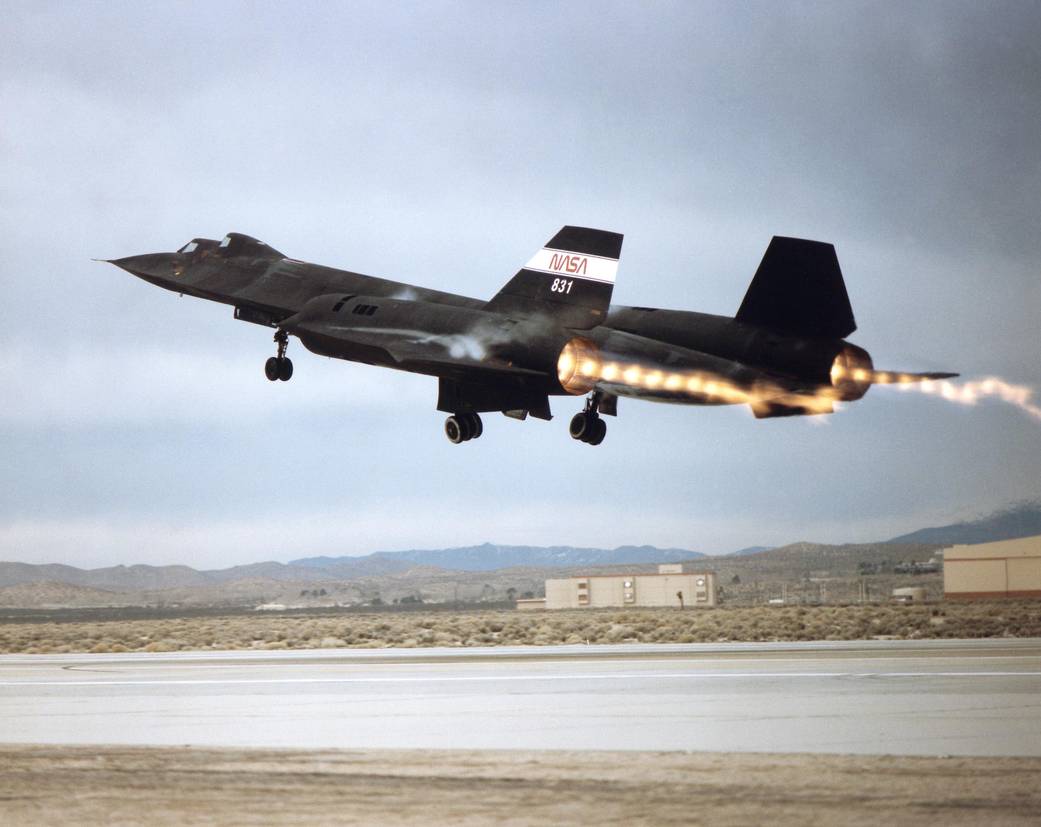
551, 330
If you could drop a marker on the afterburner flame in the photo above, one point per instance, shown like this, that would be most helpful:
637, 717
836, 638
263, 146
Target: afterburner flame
581, 367
851, 373
966, 393
578, 366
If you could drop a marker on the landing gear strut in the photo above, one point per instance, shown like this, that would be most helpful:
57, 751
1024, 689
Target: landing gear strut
281, 366
587, 425
461, 427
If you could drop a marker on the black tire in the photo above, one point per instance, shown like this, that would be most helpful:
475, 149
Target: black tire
285, 370
457, 429
271, 369
579, 426
466, 426
476, 426
598, 432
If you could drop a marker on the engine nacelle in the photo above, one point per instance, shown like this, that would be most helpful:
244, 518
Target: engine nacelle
578, 366
851, 372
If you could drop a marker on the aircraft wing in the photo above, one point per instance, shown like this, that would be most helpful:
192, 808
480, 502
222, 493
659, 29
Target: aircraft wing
449, 355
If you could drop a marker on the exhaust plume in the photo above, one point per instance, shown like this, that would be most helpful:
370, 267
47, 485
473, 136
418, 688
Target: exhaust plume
581, 367
968, 393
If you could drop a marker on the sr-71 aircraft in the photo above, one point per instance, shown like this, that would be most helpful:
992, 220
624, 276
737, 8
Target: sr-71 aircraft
551, 331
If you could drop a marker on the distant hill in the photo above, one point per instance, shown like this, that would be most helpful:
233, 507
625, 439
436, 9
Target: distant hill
489, 557
46, 594
484, 558
1020, 520
744, 552
112, 577
801, 559
483, 573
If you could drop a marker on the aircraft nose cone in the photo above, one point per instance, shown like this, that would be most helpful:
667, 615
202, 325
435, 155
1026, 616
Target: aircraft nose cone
148, 266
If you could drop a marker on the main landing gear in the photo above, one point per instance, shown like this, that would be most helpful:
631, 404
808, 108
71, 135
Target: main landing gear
461, 427
587, 425
281, 366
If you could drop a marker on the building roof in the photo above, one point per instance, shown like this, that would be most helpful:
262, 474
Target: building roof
1022, 547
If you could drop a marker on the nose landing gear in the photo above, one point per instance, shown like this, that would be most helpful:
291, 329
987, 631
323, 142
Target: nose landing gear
461, 427
587, 426
281, 366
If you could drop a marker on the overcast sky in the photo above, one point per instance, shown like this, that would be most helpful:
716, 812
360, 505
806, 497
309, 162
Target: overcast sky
442, 144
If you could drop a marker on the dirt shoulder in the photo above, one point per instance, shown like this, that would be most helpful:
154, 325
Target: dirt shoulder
124, 785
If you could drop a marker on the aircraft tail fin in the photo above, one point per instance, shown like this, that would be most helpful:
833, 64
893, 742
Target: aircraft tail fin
569, 280
798, 289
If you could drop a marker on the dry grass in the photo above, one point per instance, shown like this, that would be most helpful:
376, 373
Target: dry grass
504, 627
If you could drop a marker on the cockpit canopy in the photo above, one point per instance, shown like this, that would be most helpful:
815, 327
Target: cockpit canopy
233, 244
197, 245
237, 244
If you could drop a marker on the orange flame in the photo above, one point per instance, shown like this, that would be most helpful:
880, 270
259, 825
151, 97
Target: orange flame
581, 367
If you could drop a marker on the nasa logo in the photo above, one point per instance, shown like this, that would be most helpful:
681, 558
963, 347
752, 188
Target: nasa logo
576, 265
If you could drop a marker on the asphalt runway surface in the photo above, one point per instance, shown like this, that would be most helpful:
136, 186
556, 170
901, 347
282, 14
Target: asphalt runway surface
927, 698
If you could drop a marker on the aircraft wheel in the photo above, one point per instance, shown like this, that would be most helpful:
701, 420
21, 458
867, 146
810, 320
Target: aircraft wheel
597, 433
271, 368
588, 427
476, 426
579, 427
285, 369
458, 429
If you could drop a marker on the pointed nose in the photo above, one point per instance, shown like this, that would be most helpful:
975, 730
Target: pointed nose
150, 266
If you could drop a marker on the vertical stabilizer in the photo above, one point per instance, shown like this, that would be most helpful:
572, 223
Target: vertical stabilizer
570, 279
798, 289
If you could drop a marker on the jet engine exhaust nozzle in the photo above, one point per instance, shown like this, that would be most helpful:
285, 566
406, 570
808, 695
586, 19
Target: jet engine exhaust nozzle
852, 373
578, 366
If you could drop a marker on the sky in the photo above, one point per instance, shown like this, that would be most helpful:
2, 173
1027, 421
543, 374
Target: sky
442, 144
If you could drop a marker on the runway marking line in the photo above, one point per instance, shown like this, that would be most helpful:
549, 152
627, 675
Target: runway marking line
951, 649
111, 665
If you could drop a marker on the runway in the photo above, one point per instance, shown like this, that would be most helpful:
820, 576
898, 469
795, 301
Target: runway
980, 698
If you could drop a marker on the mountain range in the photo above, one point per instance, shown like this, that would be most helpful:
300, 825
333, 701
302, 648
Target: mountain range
485, 557
489, 557
1021, 519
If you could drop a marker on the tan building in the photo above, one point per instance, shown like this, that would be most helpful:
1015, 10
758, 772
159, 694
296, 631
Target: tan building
671, 586
1009, 568
909, 594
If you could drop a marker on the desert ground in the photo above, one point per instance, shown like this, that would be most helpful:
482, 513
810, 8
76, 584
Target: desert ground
95, 785
84, 631
121, 785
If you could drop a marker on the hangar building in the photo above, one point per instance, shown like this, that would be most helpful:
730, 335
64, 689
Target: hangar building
1009, 568
671, 586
